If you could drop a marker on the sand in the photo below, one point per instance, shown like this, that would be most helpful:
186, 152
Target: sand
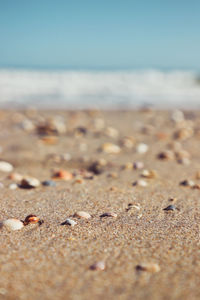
53, 261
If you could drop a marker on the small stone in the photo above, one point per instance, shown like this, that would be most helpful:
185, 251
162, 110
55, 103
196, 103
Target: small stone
13, 224
29, 182
138, 165
197, 175
98, 266
13, 186
5, 166
170, 207
188, 183
108, 214
140, 182
49, 183
82, 215
148, 267
31, 219
110, 148
142, 148
69, 222
63, 175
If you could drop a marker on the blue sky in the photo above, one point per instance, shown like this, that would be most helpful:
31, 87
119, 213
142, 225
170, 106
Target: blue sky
100, 34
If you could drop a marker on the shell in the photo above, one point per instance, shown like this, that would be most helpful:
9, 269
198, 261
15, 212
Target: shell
13, 224
108, 214
31, 219
98, 266
82, 215
5, 166
110, 148
142, 148
148, 267
69, 222
29, 182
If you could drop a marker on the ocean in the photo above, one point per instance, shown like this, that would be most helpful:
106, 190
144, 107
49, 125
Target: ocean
72, 89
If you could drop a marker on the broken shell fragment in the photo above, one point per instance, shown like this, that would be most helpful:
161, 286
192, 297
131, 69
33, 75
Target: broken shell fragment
63, 175
108, 214
170, 207
148, 267
140, 182
29, 182
69, 222
98, 266
188, 183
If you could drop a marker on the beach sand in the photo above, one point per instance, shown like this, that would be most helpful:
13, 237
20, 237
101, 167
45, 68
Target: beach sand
50, 261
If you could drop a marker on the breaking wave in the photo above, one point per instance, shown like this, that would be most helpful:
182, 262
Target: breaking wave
99, 89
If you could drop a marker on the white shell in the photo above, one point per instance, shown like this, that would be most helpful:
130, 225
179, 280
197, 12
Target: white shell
140, 182
13, 186
30, 182
82, 214
142, 148
70, 222
13, 224
5, 166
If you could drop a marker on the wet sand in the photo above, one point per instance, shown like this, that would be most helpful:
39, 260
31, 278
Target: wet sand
53, 261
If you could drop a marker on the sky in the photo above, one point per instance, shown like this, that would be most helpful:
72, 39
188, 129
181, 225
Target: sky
107, 34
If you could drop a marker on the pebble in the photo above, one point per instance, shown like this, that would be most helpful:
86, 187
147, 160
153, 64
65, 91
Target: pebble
49, 183
5, 166
170, 207
63, 175
127, 166
142, 148
69, 222
29, 182
98, 266
140, 182
82, 214
108, 214
13, 224
110, 148
148, 267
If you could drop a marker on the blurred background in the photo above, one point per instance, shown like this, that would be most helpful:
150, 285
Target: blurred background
100, 54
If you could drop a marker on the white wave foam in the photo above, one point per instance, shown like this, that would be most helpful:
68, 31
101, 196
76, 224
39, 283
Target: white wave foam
102, 89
